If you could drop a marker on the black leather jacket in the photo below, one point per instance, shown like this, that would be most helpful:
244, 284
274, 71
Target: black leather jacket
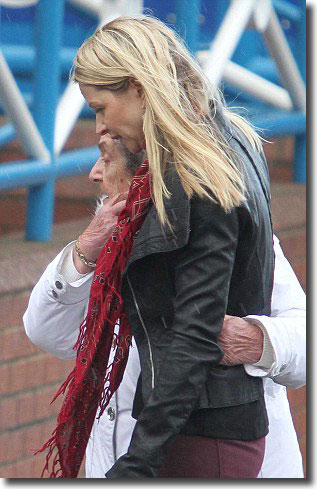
177, 288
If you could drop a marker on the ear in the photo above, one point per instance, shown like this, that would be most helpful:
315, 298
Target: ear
137, 86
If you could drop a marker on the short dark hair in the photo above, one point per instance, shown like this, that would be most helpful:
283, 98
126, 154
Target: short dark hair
133, 161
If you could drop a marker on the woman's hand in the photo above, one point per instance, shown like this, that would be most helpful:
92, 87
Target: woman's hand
241, 341
92, 240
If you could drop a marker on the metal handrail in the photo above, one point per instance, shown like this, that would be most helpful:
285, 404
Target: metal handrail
20, 114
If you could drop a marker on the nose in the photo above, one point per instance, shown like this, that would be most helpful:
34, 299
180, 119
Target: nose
101, 127
95, 174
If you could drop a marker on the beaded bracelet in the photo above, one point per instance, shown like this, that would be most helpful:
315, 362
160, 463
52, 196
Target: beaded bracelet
82, 257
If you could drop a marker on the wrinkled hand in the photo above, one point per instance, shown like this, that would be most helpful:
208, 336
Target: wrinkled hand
94, 237
241, 341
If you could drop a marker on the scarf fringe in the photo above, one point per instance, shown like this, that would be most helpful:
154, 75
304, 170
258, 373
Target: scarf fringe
51, 444
64, 386
82, 331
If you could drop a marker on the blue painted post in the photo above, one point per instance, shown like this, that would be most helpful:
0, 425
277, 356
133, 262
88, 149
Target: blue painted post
299, 175
187, 12
47, 35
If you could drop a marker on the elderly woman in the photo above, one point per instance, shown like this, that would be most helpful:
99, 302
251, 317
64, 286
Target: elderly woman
193, 242
114, 170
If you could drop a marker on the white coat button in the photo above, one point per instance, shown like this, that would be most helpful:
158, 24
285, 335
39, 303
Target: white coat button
58, 285
111, 414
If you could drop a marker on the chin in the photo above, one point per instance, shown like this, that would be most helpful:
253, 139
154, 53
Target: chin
133, 146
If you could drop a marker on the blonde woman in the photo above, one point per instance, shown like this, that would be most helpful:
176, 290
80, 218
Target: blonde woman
193, 243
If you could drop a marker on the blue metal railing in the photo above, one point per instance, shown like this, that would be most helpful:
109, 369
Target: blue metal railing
49, 62
25, 173
48, 32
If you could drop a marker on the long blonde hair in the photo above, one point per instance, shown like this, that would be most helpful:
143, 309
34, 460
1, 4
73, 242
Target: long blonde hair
177, 124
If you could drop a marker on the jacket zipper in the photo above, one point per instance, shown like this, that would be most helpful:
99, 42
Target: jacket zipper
145, 330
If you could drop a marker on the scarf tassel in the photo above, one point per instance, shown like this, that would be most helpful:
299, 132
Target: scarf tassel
64, 386
51, 444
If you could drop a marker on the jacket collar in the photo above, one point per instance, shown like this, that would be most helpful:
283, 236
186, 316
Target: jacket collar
153, 237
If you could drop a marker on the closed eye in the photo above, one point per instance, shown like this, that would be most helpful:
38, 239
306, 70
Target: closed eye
105, 161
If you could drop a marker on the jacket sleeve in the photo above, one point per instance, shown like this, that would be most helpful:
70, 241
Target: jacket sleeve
202, 270
286, 328
56, 309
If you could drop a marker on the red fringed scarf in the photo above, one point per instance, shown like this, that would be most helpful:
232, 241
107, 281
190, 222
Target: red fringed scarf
92, 381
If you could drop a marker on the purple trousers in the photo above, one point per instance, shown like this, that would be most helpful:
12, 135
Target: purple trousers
202, 457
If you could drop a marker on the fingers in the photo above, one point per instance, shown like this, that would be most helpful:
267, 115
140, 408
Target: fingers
119, 197
118, 207
115, 199
114, 205
228, 317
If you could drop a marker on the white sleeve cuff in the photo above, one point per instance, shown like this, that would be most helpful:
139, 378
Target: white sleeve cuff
264, 366
59, 288
268, 358
68, 269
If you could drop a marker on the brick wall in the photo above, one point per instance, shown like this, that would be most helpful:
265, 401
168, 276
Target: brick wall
29, 377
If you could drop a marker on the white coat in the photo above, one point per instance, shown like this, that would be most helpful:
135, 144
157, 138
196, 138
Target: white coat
57, 308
